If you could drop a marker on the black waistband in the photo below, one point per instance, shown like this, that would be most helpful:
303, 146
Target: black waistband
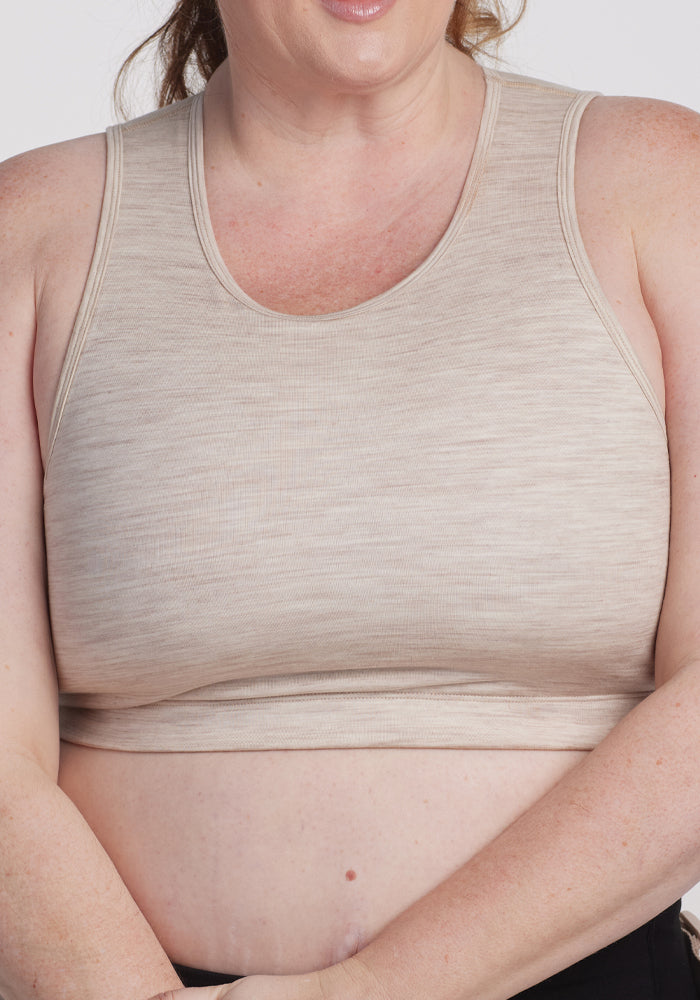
200, 977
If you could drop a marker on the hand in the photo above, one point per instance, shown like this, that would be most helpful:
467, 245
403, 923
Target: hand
254, 988
349, 980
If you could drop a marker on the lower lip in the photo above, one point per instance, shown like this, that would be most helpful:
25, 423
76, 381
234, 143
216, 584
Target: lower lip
357, 10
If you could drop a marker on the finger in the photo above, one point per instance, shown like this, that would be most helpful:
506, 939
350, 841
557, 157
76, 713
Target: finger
203, 993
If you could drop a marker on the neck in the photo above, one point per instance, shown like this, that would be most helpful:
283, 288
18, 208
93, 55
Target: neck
273, 129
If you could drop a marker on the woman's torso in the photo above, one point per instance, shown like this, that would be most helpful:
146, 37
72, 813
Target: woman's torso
279, 861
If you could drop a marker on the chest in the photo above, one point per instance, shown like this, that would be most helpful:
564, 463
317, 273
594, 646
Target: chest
328, 254
436, 487
465, 471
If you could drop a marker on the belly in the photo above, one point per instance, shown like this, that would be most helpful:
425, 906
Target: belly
287, 861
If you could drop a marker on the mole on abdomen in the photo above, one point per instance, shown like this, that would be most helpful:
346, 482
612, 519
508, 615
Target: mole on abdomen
350, 875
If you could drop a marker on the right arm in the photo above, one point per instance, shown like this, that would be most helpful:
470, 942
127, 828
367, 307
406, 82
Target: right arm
69, 929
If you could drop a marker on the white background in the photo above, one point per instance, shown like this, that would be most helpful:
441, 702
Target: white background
60, 59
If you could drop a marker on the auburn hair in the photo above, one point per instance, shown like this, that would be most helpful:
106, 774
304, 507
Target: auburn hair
191, 43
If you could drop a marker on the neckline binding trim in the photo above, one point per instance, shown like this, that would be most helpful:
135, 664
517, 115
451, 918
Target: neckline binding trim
210, 247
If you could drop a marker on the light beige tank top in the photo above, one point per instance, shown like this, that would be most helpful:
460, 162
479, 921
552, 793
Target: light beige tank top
437, 519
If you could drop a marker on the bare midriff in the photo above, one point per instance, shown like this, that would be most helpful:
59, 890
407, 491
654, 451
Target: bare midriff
287, 861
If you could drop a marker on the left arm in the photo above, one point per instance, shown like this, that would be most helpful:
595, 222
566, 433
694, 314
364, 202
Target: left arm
617, 840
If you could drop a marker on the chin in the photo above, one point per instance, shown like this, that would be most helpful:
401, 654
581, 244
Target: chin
367, 68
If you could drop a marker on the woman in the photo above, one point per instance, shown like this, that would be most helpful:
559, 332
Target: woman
348, 397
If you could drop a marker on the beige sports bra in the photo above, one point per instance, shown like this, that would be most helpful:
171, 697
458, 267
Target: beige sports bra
437, 519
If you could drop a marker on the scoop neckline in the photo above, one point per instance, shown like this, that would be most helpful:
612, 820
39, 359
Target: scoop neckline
212, 253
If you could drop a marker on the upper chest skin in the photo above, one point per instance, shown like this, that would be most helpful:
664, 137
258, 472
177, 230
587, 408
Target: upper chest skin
322, 253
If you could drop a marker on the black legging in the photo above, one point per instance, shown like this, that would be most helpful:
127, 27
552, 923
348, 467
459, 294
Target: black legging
651, 963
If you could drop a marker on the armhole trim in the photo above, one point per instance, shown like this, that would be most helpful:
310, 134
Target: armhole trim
581, 260
98, 266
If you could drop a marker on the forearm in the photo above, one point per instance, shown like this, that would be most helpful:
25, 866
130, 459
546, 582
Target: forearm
69, 930
614, 843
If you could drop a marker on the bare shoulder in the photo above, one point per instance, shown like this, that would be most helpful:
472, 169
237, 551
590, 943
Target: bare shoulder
641, 123
645, 152
639, 161
48, 169
50, 206
45, 191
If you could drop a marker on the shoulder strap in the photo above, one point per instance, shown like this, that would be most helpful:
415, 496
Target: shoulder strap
146, 217
105, 232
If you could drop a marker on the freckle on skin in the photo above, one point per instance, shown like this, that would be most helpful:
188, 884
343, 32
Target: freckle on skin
350, 875
659, 761
11, 333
